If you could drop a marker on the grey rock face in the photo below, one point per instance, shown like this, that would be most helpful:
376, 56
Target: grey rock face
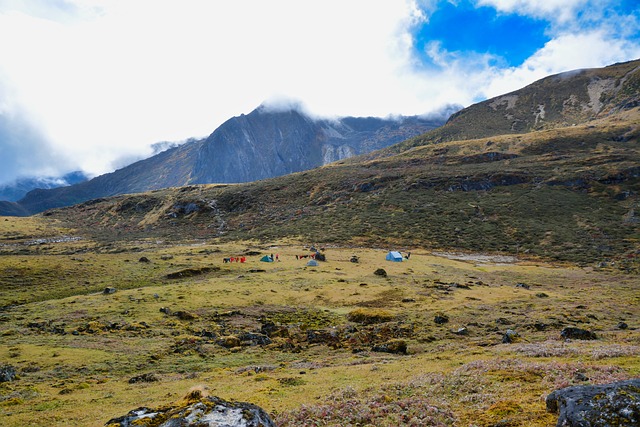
201, 412
616, 404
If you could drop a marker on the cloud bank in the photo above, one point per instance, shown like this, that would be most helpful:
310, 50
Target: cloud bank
101, 80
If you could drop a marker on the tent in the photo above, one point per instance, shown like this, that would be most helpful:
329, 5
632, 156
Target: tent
266, 258
394, 256
312, 263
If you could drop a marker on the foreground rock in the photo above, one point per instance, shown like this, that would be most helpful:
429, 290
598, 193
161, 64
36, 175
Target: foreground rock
197, 410
616, 404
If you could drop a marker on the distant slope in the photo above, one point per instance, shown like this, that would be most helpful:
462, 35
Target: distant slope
15, 191
259, 145
561, 100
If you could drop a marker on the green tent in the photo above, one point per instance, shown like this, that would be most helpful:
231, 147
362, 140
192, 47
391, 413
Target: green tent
266, 258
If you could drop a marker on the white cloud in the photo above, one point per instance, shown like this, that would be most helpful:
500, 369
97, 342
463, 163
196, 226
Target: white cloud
104, 79
553, 10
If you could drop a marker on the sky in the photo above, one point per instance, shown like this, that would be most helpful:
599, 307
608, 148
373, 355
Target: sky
91, 84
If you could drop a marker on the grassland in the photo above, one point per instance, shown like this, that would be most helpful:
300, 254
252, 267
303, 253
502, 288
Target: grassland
311, 345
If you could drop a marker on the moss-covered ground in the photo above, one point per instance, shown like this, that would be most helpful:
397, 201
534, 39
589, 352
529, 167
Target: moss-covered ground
335, 344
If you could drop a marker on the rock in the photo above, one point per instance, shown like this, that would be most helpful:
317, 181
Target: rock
577, 334
542, 295
392, 346
144, 378
185, 315
144, 259
461, 331
509, 336
109, 290
522, 285
166, 257
441, 319
622, 325
253, 339
7, 373
196, 410
380, 272
229, 341
616, 404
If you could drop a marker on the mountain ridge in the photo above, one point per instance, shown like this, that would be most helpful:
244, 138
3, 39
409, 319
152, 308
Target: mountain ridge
258, 145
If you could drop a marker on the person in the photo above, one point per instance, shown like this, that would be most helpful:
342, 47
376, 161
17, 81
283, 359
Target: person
271, 257
277, 257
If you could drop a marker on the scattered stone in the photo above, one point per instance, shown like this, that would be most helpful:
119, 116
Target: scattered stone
577, 334
408, 300
144, 378
165, 310
109, 290
185, 315
380, 272
522, 285
253, 339
197, 410
503, 321
539, 326
622, 325
144, 259
257, 270
392, 346
542, 295
7, 373
229, 341
461, 331
166, 257
441, 319
509, 336
615, 404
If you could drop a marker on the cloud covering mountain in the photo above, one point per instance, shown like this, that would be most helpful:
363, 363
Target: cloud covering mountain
100, 81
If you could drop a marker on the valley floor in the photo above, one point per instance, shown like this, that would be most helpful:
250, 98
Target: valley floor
94, 331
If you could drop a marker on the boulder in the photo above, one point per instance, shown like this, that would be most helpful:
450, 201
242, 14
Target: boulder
394, 346
616, 404
441, 319
577, 334
197, 410
509, 336
7, 373
380, 272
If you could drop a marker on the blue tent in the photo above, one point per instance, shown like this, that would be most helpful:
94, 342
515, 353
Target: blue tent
266, 258
394, 256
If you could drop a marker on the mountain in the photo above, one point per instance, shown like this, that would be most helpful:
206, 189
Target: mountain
567, 191
259, 145
15, 191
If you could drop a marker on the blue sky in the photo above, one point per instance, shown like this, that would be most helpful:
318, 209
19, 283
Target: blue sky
91, 84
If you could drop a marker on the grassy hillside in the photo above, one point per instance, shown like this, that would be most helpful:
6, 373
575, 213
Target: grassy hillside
568, 194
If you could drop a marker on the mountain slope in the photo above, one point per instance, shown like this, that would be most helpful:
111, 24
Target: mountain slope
568, 193
259, 145
560, 100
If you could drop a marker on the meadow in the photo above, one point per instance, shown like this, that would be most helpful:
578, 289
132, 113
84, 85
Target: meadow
93, 329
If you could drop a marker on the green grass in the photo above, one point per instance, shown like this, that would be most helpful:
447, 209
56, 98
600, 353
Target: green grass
74, 351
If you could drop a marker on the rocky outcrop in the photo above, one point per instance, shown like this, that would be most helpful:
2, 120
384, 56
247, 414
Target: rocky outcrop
197, 410
616, 404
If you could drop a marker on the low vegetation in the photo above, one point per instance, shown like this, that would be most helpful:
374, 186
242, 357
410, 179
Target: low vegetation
335, 344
